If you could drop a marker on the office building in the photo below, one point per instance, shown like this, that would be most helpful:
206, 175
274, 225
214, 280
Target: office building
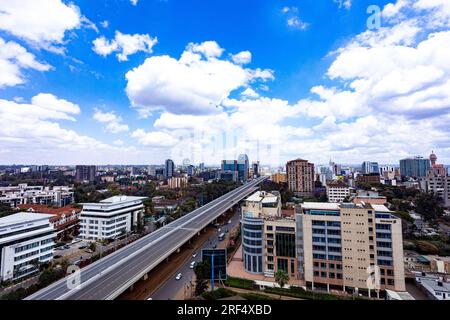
370, 167
85, 173
300, 177
25, 194
229, 171
110, 218
416, 167
243, 167
339, 191
255, 209
371, 178
26, 241
177, 182
339, 242
255, 170
279, 178
169, 169
439, 185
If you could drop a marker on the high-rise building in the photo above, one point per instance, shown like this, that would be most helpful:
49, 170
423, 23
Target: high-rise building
436, 170
255, 210
368, 167
300, 177
255, 169
85, 173
415, 167
439, 185
342, 244
243, 167
169, 169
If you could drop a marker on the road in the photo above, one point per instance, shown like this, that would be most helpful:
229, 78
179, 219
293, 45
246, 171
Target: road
181, 289
109, 277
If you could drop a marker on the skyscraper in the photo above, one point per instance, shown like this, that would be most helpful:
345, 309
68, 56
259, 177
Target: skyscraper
85, 173
368, 167
415, 167
243, 167
300, 177
255, 167
169, 169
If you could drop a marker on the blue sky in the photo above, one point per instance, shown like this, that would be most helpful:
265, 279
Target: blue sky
308, 86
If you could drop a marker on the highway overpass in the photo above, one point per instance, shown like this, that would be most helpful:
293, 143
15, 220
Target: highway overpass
107, 278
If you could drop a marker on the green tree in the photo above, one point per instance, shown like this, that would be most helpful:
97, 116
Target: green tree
429, 205
281, 278
202, 271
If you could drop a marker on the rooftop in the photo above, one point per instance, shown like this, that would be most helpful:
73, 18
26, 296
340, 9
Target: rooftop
262, 196
23, 217
118, 199
42, 208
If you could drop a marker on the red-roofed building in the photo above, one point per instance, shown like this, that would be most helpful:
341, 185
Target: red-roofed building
66, 219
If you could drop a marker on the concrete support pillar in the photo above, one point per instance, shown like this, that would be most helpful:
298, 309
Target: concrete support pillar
145, 277
328, 287
178, 250
131, 289
198, 234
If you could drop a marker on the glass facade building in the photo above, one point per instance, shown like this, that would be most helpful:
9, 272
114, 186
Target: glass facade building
252, 246
414, 167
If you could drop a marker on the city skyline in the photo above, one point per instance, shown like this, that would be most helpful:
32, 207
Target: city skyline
117, 82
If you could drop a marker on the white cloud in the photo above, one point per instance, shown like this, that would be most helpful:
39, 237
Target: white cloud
244, 57
197, 83
134, 2
43, 23
124, 44
105, 24
293, 19
249, 93
13, 59
113, 122
296, 22
154, 139
389, 98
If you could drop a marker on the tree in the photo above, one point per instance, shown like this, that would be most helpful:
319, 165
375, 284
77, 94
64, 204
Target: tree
281, 278
429, 205
93, 246
202, 270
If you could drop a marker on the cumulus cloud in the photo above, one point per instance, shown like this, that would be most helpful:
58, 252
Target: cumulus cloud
244, 57
112, 121
124, 44
43, 23
154, 139
196, 83
13, 59
387, 97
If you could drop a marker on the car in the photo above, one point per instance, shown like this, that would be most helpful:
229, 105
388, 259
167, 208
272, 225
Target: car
194, 255
66, 247
226, 230
192, 266
215, 246
179, 276
57, 257
229, 221
82, 247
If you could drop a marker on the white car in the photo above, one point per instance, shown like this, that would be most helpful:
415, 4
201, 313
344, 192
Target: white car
192, 265
179, 276
194, 255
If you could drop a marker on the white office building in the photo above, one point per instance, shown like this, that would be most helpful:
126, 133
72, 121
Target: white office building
110, 218
338, 193
26, 240
24, 194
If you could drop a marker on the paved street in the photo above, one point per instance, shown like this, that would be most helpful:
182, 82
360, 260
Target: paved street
181, 289
108, 277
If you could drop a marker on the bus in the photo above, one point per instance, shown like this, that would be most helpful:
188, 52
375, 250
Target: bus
221, 236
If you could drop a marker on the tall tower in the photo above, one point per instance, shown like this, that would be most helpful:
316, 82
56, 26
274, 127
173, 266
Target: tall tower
433, 158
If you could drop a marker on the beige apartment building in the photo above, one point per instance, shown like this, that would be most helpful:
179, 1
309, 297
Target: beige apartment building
340, 246
300, 177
